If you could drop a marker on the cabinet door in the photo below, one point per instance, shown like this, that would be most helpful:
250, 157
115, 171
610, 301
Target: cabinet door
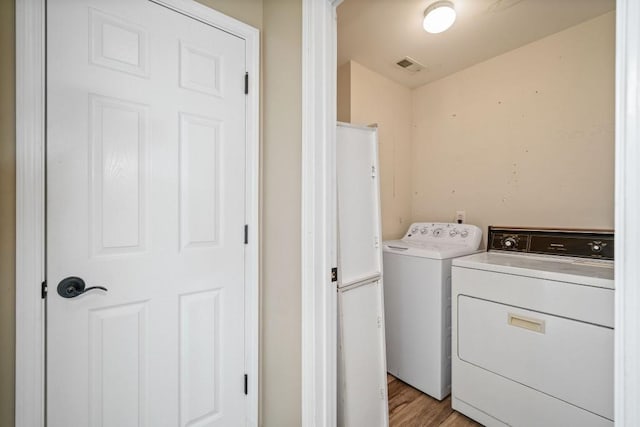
358, 204
362, 385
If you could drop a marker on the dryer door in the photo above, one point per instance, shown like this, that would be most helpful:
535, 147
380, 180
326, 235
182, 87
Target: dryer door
563, 358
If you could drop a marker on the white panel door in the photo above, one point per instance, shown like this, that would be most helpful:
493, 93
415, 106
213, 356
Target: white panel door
359, 251
146, 197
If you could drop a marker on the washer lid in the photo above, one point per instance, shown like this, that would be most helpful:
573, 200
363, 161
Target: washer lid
426, 249
598, 273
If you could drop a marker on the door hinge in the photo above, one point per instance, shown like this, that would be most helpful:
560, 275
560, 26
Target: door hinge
334, 274
246, 384
246, 83
43, 289
246, 234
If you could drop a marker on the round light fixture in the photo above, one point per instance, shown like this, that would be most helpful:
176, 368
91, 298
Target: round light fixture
439, 16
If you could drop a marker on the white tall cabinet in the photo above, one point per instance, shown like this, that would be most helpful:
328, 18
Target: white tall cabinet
362, 385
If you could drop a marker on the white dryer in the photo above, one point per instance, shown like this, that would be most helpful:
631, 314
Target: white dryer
417, 301
533, 329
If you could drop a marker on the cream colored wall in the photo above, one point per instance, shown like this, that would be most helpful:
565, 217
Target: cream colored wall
7, 213
376, 99
526, 138
343, 86
281, 274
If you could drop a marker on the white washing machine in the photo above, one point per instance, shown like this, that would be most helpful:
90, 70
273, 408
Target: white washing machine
417, 302
533, 329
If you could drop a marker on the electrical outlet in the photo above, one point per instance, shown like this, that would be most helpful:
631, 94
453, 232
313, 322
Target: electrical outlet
461, 217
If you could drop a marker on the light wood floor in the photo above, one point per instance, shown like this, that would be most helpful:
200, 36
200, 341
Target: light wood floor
409, 407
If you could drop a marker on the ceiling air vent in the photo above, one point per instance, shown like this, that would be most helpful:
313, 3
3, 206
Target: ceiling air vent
410, 64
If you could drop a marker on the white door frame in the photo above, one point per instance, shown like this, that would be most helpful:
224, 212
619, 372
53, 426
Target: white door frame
318, 214
627, 202
319, 251
31, 192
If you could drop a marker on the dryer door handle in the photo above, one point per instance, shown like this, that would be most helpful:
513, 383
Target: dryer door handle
535, 325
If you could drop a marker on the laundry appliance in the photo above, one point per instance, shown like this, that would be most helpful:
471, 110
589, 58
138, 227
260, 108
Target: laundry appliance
417, 300
533, 334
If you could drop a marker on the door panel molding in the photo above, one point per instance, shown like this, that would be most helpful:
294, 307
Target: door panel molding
30, 202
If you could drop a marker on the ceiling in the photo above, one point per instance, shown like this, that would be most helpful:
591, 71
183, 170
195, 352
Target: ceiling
379, 33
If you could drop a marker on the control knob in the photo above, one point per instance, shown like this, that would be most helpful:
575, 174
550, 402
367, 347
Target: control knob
414, 230
464, 233
437, 232
510, 243
597, 246
423, 230
453, 232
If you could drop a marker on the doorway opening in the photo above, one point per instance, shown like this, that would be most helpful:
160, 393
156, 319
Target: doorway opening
318, 396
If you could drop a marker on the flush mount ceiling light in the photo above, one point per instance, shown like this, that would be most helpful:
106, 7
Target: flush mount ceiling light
439, 16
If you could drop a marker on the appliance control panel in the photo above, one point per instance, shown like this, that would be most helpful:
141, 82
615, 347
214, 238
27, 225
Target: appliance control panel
577, 243
465, 234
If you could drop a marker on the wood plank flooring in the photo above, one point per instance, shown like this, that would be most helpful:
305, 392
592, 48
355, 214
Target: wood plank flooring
409, 407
